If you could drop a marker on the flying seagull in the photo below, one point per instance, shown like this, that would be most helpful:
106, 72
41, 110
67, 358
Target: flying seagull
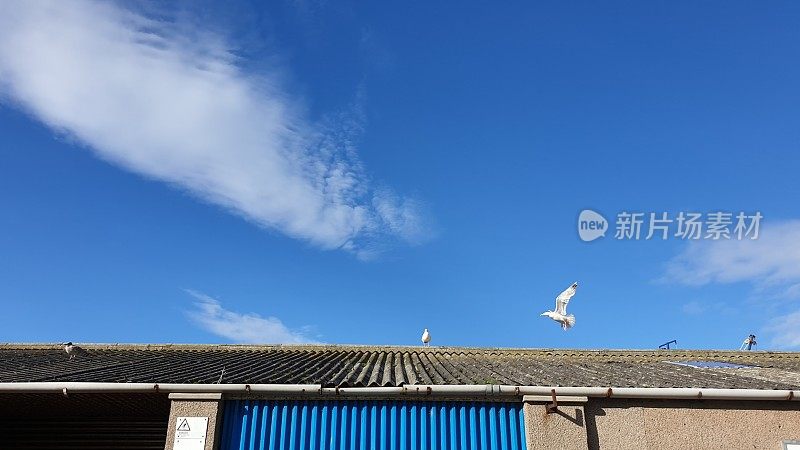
426, 338
73, 350
560, 314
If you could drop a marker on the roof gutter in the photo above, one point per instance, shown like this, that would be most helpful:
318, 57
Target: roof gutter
408, 391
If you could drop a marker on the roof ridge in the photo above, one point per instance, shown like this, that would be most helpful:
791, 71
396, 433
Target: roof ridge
571, 352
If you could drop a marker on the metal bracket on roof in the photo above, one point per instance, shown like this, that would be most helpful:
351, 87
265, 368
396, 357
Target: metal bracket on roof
665, 346
552, 407
247, 388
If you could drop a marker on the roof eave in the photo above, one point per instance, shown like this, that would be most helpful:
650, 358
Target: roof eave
410, 392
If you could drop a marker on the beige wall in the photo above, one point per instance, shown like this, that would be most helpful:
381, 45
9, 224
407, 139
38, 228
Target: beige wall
708, 424
196, 405
563, 429
613, 423
664, 424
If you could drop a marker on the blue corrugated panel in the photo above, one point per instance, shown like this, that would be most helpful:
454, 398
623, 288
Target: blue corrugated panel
374, 425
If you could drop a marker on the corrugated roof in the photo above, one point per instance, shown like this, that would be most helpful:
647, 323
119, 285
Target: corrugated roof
357, 366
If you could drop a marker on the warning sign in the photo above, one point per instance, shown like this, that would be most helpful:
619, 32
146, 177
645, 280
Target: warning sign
184, 425
190, 433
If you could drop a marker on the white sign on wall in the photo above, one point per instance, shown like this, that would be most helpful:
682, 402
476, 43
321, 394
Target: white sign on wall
190, 433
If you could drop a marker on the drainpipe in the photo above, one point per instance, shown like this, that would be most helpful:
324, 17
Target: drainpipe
408, 391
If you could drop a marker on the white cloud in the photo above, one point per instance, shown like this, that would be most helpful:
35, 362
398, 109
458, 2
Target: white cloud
243, 328
786, 330
172, 103
702, 307
770, 264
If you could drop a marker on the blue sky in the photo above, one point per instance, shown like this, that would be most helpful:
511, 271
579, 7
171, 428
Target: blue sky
354, 172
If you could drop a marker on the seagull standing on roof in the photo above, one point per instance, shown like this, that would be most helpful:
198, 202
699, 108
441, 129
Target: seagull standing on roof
73, 350
426, 338
748, 343
560, 314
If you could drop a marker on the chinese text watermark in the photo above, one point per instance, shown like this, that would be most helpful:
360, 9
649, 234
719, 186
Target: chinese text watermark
716, 225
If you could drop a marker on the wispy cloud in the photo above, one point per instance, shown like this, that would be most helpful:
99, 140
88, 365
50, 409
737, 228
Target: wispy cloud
173, 103
242, 328
786, 330
770, 264
698, 307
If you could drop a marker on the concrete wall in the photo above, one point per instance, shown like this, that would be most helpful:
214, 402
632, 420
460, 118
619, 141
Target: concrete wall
707, 424
562, 429
663, 424
607, 423
196, 405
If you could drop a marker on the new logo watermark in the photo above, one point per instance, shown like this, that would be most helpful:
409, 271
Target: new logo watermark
718, 225
591, 225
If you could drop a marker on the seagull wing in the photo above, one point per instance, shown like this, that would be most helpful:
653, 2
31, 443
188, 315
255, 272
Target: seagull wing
563, 299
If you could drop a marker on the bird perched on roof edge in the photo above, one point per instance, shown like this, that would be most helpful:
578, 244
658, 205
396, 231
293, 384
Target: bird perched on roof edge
73, 350
426, 338
560, 313
748, 343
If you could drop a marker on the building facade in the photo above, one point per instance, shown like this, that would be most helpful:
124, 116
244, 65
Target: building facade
350, 397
